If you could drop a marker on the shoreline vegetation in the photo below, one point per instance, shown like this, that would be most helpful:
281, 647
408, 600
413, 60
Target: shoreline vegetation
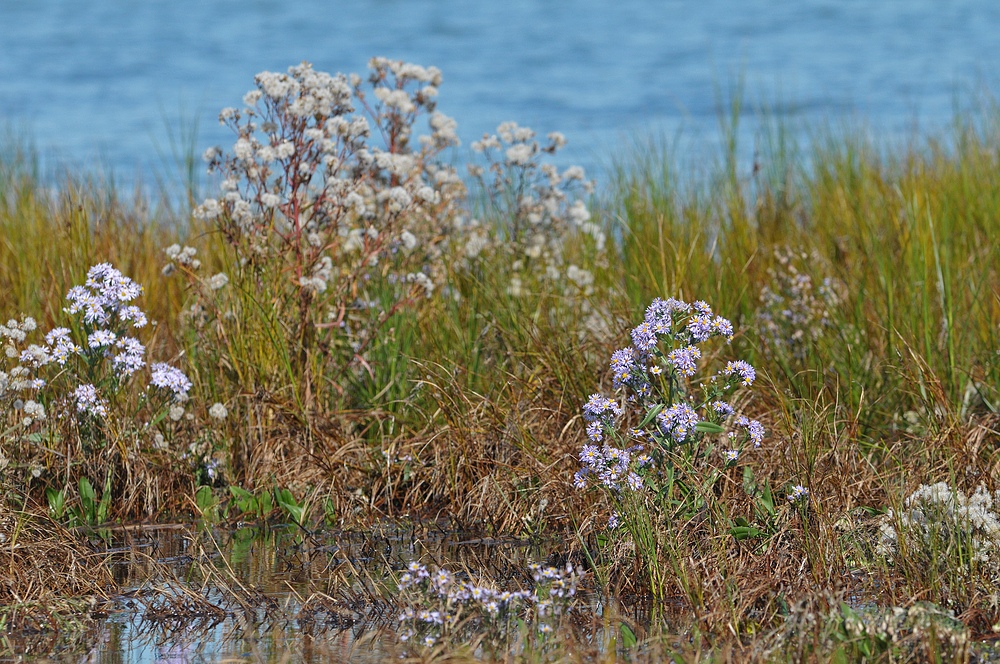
761, 401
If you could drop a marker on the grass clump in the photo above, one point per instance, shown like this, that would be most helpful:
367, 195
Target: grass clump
52, 581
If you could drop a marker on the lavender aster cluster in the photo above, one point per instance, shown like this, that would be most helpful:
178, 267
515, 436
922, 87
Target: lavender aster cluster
798, 494
685, 360
105, 296
657, 373
795, 312
754, 429
599, 407
98, 356
170, 378
129, 359
61, 345
742, 370
88, 401
677, 422
612, 467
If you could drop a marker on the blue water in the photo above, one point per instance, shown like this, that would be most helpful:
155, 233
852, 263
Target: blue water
100, 82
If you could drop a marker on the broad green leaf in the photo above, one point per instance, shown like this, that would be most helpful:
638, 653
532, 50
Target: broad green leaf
708, 427
745, 532
653, 412
766, 499
241, 494
87, 490
628, 637
203, 498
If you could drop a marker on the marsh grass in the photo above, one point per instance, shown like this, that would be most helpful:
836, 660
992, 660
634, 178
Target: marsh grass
51, 582
467, 404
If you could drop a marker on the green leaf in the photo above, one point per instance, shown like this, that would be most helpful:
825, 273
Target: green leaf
749, 485
708, 427
245, 501
87, 491
240, 494
766, 499
745, 532
288, 503
265, 504
105, 506
204, 499
628, 637
653, 412
57, 502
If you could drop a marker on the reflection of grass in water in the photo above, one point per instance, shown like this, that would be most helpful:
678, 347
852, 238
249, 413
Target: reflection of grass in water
466, 406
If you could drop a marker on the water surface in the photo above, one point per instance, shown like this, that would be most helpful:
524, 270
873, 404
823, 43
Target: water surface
103, 79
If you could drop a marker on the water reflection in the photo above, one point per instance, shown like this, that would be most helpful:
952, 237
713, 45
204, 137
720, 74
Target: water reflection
198, 594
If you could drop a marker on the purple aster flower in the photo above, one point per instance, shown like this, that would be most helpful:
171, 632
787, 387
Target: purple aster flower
104, 295
61, 345
722, 408
755, 430
167, 377
101, 338
87, 401
660, 312
590, 455
677, 421
743, 370
685, 359
130, 358
644, 337
700, 327
702, 307
722, 327
798, 493
134, 314
600, 407
624, 367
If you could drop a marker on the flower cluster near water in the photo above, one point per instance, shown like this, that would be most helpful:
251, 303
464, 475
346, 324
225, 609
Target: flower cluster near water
675, 413
90, 363
436, 602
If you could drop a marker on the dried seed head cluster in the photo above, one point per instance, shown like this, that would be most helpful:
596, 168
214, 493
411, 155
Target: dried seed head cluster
542, 204
795, 313
938, 518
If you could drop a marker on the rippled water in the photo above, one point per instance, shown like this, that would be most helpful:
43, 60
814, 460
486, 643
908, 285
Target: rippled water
104, 78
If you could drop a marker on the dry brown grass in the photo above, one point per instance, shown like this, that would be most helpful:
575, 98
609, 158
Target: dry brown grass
49, 574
